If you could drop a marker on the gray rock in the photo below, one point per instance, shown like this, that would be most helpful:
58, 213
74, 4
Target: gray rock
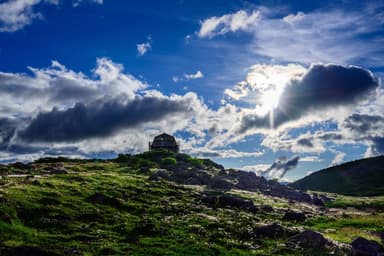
266, 208
364, 247
273, 230
160, 174
228, 201
100, 198
220, 183
310, 239
294, 216
58, 170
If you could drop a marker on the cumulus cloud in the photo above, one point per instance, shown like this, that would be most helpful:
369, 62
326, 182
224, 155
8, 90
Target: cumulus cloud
197, 75
101, 119
76, 3
238, 21
277, 170
339, 158
321, 87
367, 128
56, 109
324, 35
310, 159
143, 48
192, 76
221, 153
16, 14
57, 86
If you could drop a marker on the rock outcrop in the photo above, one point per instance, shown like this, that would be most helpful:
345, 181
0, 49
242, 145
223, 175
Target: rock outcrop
364, 247
221, 179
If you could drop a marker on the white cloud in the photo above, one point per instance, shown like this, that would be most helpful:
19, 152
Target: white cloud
310, 159
187, 77
197, 75
143, 48
76, 3
257, 168
339, 158
240, 20
60, 91
16, 14
309, 173
324, 35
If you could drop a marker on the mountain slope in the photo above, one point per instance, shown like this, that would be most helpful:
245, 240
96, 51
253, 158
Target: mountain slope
161, 203
364, 177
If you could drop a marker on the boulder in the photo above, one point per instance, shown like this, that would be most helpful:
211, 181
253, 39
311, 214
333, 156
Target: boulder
160, 174
58, 170
100, 198
317, 201
21, 166
294, 216
310, 239
218, 182
228, 201
273, 230
364, 247
266, 208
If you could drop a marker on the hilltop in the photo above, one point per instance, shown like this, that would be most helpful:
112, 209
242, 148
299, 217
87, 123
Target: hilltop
162, 203
364, 177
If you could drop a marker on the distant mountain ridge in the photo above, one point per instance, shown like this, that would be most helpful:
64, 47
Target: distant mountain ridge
364, 177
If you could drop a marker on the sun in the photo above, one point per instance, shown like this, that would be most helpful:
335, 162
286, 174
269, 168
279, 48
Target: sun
270, 100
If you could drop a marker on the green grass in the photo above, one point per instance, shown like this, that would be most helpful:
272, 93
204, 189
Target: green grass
142, 217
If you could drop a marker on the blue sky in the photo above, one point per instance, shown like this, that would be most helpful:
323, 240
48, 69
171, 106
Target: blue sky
247, 83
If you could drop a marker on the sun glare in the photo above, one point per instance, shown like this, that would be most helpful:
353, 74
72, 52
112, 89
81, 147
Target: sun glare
270, 100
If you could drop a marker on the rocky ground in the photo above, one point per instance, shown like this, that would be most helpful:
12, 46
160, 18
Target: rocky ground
161, 203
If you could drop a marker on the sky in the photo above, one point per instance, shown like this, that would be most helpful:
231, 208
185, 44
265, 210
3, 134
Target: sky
281, 88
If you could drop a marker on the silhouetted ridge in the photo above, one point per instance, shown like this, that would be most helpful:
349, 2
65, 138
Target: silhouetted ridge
364, 177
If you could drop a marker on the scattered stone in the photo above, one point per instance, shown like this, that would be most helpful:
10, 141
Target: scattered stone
160, 174
317, 201
220, 183
273, 230
310, 239
364, 247
379, 234
100, 198
21, 166
58, 170
294, 216
266, 208
145, 170
228, 201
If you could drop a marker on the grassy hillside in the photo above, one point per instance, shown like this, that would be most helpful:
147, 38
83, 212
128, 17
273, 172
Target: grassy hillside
363, 177
80, 207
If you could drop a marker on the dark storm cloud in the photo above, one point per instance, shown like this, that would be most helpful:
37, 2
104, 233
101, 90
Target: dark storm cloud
280, 167
305, 142
369, 128
378, 146
101, 119
331, 136
64, 89
60, 89
361, 123
7, 130
322, 87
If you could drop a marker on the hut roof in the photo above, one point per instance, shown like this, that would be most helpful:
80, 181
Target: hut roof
165, 141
